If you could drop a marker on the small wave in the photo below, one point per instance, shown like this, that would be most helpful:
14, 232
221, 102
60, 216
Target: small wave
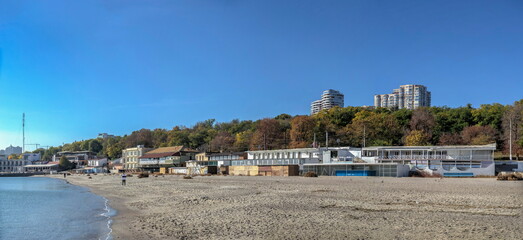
109, 212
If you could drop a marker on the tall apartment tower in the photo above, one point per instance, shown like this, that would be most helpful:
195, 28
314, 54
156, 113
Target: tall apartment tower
407, 96
329, 99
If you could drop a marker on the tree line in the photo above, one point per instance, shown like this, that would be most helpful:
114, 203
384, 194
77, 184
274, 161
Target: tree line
348, 126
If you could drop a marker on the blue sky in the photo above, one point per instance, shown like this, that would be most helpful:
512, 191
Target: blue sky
77, 68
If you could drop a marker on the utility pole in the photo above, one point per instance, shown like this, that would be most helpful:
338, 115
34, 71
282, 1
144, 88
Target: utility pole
264, 142
510, 138
326, 139
363, 135
314, 142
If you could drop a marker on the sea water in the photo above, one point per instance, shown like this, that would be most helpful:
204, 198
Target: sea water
47, 208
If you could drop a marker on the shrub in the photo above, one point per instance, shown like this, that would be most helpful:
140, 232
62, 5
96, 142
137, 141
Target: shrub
310, 174
143, 175
510, 176
424, 174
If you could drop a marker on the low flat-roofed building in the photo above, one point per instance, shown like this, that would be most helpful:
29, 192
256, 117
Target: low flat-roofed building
45, 168
450, 161
97, 162
80, 158
166, 157
300, 156
225, 159
358, 169
332, 161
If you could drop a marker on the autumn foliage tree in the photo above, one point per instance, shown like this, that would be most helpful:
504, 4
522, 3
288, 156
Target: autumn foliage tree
302, 131
347, 126
223, 142
478, 135
267, 134
417, 138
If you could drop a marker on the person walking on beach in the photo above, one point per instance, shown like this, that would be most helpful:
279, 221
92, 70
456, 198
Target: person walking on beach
123, 179
65, 175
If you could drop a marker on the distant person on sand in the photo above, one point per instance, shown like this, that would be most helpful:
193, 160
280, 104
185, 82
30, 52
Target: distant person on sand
65, 175
123, 179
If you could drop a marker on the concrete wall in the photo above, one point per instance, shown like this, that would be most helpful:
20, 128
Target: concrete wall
243, 170
489, 170
288, 170
403, 170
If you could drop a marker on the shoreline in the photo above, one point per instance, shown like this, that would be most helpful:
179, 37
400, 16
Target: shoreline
118, 220
218, 207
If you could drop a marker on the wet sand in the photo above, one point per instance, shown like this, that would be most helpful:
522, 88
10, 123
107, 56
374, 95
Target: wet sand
218, 207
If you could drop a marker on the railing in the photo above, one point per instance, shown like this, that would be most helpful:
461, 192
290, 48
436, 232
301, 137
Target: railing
151, 162
435, 157
342, 159
253, 162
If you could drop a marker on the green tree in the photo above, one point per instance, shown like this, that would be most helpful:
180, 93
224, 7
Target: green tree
243, 140
95, 146
40, 150
65, 164
489, 115
375, 128
283, 116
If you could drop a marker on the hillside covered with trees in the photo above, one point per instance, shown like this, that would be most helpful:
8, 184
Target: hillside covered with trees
349, 126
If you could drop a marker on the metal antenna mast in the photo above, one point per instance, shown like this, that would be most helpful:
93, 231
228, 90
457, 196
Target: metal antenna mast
23, 133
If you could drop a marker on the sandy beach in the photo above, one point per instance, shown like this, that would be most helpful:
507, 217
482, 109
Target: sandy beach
218, 207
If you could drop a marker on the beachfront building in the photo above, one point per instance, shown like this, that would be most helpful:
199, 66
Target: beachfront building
225, 159
295, 156
97, 162
95, 166
12, 165
332, 161
407, 96
207, 162
116, 166
329, 99
79, 158
131, 156
203, 156
451, 161
166, 157
42, 168
358, 169
299, 156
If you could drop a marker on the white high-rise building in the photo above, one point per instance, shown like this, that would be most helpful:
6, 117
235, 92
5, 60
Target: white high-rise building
407, 96
329, 99
13, 150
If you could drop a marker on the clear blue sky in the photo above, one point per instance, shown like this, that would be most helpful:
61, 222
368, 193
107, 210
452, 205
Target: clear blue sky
77, 68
